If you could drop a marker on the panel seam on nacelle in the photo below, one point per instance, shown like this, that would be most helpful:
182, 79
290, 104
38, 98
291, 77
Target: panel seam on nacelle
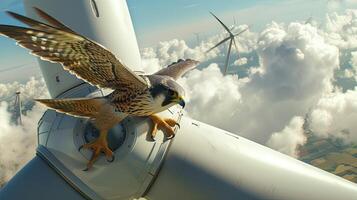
64, 92
157, 172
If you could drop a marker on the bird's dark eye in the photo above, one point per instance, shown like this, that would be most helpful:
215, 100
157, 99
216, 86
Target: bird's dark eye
171, 93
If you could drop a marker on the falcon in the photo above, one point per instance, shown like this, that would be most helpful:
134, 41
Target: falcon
133, 94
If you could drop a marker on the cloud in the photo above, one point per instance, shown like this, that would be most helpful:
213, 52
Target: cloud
294, 74
288, 139
18, 142
353, 60
34, 88
335, 115
212, 97
351, 72
341, 30
241, 61
295, 69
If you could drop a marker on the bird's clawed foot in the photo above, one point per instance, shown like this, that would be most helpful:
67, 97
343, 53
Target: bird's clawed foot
165, 124
100, 145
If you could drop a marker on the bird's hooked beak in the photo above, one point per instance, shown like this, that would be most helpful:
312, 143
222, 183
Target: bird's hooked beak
181, 101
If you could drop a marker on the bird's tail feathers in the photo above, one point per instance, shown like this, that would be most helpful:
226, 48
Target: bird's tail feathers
80, 107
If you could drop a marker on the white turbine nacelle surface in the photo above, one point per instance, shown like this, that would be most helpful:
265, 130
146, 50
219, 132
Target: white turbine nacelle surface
201, 162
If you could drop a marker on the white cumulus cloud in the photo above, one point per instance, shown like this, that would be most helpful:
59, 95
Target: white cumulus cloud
241, 61
341, 29
18, 142
295, 69
288, 139
212, 97
335, 115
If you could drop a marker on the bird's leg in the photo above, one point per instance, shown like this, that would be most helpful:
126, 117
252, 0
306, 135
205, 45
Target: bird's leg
100, 145
165, 124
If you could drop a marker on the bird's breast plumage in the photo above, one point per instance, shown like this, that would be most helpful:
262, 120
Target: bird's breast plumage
141, 104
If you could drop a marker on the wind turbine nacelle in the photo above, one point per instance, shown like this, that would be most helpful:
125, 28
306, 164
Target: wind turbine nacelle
201, 162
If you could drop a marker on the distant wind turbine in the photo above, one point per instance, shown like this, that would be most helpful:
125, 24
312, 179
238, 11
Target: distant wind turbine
231, 39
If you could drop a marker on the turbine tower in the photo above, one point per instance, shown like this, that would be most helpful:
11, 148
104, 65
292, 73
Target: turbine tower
17, 107
230, 38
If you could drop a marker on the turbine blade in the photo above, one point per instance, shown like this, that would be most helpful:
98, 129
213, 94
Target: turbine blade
244, 30
224, 26
221, 42
228, 56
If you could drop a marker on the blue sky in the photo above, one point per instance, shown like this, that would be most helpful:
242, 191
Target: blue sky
159, 20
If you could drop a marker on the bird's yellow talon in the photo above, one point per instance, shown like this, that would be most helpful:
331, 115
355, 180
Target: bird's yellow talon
163, 124
100, 145
170, 122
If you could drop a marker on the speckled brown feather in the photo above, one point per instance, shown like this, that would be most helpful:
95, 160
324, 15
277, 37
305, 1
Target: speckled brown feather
79, 55
76, 107
97, 109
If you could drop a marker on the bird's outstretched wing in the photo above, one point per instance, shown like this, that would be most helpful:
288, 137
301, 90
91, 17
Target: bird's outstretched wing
84, 58
178, 69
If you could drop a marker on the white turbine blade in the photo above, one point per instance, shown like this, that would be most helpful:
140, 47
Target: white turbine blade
228, 55
224, 26
244, 30
221, 42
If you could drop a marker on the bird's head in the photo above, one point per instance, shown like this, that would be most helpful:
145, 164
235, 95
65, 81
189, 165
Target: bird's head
168, 91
